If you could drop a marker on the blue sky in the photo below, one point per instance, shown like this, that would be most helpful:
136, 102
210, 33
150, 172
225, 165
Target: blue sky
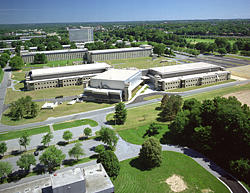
49, 11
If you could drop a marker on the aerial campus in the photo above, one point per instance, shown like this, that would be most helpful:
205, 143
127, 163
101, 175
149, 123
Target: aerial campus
124, 105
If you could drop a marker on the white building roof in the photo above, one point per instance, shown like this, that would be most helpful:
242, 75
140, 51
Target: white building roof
116, 74
118, 50
183, 67
68, 69
103, 91
55, 52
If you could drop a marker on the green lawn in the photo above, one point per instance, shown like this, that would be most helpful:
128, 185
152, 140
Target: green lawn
152, 97
135, 135
237, 57
61, 110
74, 123
207, 40
16, 134
18, 75
1, 74
43, 93
202, 86
140, 63
197, 179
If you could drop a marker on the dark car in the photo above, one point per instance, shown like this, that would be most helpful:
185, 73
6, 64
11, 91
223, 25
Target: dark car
36, 153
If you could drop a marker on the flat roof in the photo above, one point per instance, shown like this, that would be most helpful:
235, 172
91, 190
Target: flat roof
119, 50
69, 69
103, 90
116, 74
66, 177
55, 52
183, 67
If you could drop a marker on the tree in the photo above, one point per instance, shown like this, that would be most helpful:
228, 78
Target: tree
16, 63
150, 153
222, 51
5, 169
47, 139
99, 149
120, 113
41, 47
241, 167
52, 157
87, 131
24, 140
170, 106
152, 130
40, 59
76, 151
109, 137
52, 45
159, 49
34, 110
3, 148
67, 135
72, 45
110, 163
25, 161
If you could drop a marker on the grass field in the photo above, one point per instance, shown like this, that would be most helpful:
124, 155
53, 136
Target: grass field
152, 97
1, 74
16, 134
237, 57
136, 135
140, 63
76, 123
55, 63
43, 93
18, 75
61, 110
242, 71
196, 40
197, 179
202, 86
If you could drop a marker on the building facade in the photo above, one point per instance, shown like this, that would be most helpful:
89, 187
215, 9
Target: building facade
63, 76
85, 34
55, 55
187, 75
114, 85
119, 53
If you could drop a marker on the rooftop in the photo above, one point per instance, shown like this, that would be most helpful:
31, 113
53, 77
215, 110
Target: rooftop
55, 52
116, 74
183, 67
66, 177
119, 50
69, 69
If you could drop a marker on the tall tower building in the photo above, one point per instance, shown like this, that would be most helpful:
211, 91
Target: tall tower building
84, 34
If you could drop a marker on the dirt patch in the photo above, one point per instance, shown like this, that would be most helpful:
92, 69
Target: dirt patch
242, 71
242, 96
207, 190
176, 183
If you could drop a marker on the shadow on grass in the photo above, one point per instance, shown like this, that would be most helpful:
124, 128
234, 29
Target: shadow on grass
41, 147
69, 162
136, 163
39, 169
16, 152
17, 175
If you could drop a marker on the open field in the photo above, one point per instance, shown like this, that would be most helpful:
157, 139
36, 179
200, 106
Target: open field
242, 71
1, 75
42, 94
133, 179
76, 123
136, 135
242, 96
196, 40
61, 110
16, 134
140, 63
196, 87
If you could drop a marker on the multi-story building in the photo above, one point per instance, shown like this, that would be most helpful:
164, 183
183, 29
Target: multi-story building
85, 34
114, 85
63, 76
186, 75
119, 53
55, 55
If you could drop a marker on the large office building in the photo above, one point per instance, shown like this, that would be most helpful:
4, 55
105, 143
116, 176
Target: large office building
90, 179
55, 55
63, 76
186, 75
119, 53
84, 34
114, 85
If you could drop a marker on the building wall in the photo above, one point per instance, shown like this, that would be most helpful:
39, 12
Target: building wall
118, 55
56, 56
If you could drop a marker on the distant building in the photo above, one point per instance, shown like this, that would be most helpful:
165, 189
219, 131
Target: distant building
54, 55
186, 75
63, 76
119, 53
85, 34
114, 85
90, 179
